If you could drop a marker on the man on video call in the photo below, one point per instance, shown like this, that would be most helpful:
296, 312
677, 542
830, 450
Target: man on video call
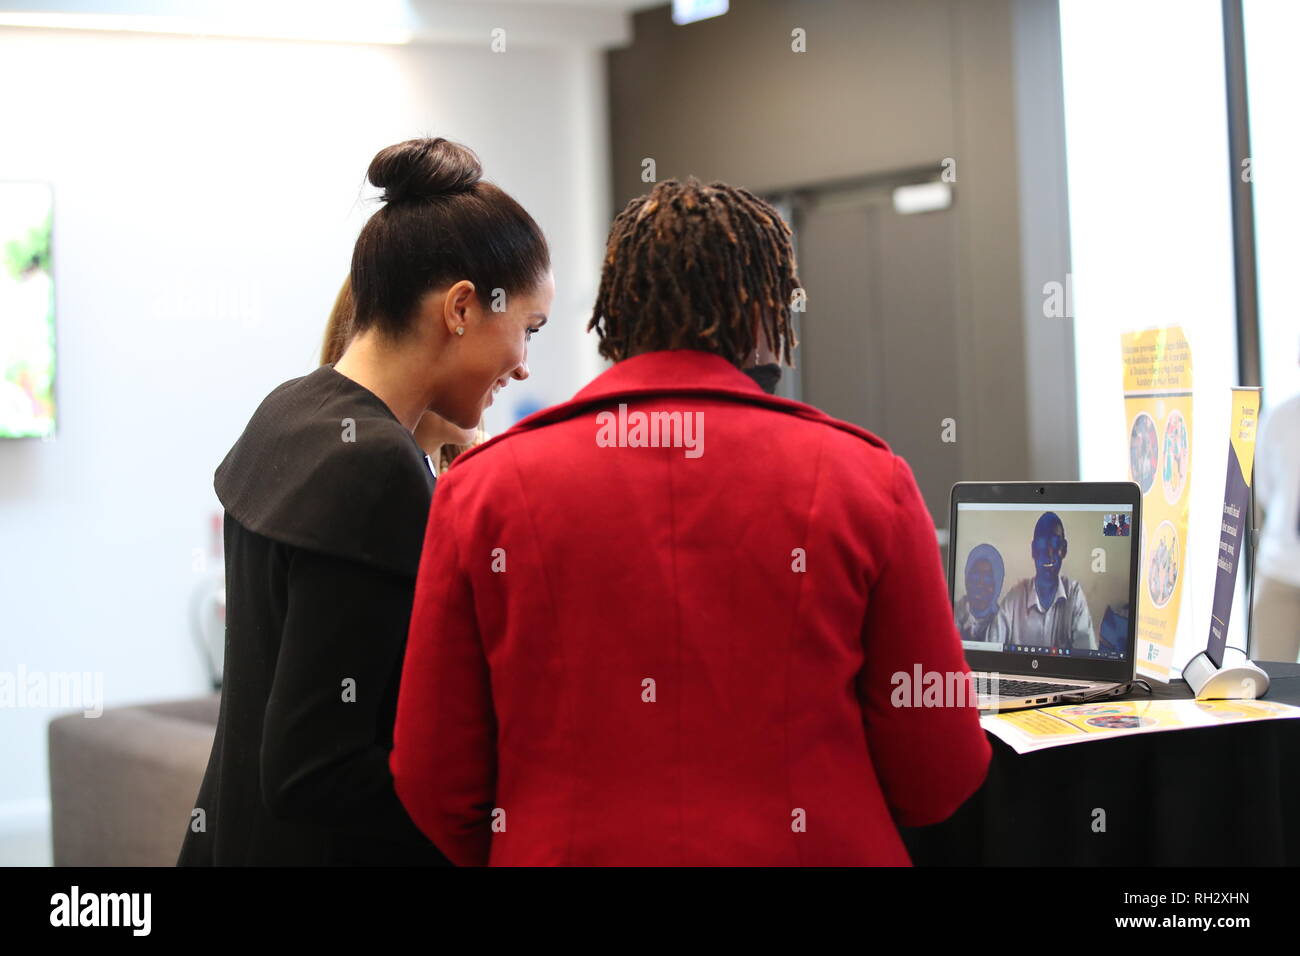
1049, 609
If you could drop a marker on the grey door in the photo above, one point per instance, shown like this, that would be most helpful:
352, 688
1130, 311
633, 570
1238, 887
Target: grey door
878, 339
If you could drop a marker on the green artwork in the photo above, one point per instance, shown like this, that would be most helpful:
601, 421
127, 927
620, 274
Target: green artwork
26, 311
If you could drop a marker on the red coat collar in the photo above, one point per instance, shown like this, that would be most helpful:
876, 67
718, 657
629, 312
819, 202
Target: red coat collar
671, 372
671, 369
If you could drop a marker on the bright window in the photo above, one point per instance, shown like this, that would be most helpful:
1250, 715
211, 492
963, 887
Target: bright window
1272, 79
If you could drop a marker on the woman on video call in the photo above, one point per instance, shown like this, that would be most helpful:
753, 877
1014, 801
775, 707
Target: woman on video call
326, 496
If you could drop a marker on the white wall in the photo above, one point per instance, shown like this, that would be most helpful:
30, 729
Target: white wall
206, 201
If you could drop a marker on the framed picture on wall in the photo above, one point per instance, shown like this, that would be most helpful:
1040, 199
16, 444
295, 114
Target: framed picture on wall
27, 351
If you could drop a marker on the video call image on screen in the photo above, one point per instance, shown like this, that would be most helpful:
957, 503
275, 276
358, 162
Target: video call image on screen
1045, 581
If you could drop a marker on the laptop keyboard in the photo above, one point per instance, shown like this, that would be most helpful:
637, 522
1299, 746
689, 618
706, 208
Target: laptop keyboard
1019, 688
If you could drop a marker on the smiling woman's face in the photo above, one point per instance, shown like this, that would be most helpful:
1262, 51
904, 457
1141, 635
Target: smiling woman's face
980, 583
491, 351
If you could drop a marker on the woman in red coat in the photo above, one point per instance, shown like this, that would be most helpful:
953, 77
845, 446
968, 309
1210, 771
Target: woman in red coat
671, 620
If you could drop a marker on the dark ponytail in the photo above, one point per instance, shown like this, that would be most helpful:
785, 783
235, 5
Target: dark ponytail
441, 222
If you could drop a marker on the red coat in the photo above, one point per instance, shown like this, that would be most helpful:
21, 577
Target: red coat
642, 655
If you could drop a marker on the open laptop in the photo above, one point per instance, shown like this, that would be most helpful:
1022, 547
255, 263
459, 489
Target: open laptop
1043, 581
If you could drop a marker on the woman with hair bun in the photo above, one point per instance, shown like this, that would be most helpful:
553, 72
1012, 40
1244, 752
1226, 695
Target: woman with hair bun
326, 498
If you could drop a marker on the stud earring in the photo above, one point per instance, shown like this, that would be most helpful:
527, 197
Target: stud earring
461, 330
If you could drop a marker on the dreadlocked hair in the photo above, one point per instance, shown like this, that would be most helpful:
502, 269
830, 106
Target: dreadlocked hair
691, 266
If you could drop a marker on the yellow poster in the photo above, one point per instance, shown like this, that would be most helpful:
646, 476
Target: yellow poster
1158, 407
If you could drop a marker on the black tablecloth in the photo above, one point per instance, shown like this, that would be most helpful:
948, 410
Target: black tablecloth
1214, 796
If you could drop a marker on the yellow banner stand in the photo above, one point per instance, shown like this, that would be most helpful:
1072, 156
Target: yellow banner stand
1158, 407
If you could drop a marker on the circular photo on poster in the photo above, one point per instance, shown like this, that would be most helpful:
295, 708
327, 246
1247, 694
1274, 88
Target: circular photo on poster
1175, 457
1127, 722
1143, 451
1162, 564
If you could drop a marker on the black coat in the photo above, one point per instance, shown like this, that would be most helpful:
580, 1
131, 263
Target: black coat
326, 496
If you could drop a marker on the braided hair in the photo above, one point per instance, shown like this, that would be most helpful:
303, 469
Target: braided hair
694, 266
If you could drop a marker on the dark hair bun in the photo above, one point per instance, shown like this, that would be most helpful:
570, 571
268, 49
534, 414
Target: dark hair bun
421, 169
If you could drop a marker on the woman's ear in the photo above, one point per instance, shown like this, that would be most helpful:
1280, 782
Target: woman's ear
456, 305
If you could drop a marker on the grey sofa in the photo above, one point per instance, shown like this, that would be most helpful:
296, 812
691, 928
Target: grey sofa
122, 785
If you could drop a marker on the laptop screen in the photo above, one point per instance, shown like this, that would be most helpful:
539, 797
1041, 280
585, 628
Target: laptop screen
1048, 580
